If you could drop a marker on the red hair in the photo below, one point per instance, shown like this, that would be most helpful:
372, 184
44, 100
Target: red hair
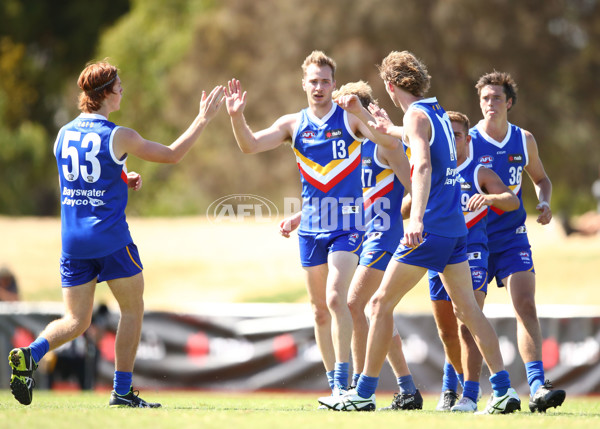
94, 81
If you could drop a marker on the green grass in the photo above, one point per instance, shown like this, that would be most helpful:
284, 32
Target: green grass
266, 410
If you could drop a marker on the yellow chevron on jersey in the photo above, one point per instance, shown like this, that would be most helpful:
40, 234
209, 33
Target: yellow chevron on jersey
382, 181
324, 174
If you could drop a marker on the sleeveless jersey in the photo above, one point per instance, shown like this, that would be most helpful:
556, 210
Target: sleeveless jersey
507, 158
443, 215
382, 193
476, 221
328, 157
93, 188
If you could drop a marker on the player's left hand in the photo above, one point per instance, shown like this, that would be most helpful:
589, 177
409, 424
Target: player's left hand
134, 181
545, 213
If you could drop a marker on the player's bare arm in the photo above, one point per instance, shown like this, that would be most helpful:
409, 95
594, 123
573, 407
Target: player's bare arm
360, 119
129, 141
398, 162
418, 133
248, 141
497, 193
541, 181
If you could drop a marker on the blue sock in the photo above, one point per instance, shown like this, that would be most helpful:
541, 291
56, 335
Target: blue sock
461, 380
340, 377
535, 375
39, 348
449, 380
471, 390
407, 385
355, 378
329, 375
366, 386
500, 383
122, 382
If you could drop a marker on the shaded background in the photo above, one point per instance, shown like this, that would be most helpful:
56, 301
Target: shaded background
168, 52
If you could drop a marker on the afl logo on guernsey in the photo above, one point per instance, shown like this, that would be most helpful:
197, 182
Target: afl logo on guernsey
308, 135
515, 159
486, 159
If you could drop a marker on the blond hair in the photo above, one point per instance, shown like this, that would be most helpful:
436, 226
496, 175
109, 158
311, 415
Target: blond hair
361, 89
461, 118
319, 58
406, 72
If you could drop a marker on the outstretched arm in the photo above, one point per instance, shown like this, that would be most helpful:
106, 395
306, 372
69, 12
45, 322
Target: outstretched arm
128, 141
248, 141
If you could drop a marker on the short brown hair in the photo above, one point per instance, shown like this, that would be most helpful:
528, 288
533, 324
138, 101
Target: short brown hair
405, 71
361, 89
461, 118
502, 79
95, 81
319, 58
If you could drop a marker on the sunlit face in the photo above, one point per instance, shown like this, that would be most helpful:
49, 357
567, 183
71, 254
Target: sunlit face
462, 137
113, 100
318, 83
493, 103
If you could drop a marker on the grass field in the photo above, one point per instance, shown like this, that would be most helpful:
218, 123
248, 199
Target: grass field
266, 410
251, 262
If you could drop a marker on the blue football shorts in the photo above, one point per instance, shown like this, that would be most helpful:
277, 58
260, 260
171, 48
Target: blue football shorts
377, 259
315, 247
510, 261
437, 292
120, 264
434, 253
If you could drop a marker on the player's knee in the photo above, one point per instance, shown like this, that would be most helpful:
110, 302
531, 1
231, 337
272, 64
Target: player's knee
356, 306
321, 315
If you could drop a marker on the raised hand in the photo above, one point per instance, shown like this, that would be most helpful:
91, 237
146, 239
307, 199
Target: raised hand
383, 123
235, 99
350, 103
209, 104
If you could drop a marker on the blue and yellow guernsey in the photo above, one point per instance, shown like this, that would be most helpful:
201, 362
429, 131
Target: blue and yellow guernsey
443, 215
328, 155
476, 221
507, 158
382, 193
93, 188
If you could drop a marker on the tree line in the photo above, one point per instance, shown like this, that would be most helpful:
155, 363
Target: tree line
168, 52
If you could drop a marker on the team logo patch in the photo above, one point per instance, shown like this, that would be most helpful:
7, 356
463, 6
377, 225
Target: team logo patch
516, 158
486, 159
333, 133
